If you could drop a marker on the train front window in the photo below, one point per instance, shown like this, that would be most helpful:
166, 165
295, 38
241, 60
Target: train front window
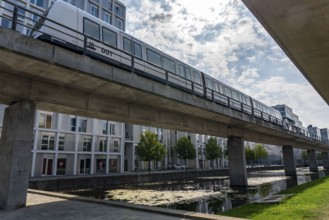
153, 57
91, 29
137, 50
109, 37
169, 65
126, 45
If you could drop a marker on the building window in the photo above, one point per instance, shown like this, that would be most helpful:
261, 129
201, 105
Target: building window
47, 166
102, 145
86, 146
47, 142
61, 166
83, 125
105, 127
116, 146
108, 5
5, 23
45, 120
117, 10
100, 165
96, 1
112, 129
73, 123
107, 18
120, 24
94, 10
37, 2
72, 2
61, 142
84, 166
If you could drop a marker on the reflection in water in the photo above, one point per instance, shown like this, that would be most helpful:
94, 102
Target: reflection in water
231, 196
237, 196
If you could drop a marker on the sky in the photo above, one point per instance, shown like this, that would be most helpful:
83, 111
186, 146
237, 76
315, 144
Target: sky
224, 40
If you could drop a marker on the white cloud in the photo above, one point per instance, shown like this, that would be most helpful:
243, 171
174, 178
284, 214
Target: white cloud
223, 39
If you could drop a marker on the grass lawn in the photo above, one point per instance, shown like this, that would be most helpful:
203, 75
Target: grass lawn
310, 201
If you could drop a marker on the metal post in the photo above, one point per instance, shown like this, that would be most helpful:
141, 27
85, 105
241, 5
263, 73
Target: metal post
15, 16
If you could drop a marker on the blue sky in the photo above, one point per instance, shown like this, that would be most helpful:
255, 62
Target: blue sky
224, 40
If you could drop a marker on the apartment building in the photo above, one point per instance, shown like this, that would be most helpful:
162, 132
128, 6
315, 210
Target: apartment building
111, 11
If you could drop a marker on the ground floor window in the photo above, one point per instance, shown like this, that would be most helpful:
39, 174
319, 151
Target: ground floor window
100, 166
61, 166
84, 166
47, 166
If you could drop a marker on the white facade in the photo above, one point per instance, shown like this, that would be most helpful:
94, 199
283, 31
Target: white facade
74, 145
111, 11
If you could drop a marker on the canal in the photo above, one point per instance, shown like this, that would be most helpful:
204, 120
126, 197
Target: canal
211, 195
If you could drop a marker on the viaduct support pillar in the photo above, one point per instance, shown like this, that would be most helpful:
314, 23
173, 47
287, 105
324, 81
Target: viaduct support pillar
325, 160
289, 161
312, 161
237, 161
15, 154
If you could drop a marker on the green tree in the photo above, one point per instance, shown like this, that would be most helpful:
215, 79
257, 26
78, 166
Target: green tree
185, 149
250, 154
260, 152
213, 150
304, 155
149, 148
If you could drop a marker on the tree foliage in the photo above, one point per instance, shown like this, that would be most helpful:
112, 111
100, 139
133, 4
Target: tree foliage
304, 155
185, 149
213, 150
260, 152
250, 154
149, 148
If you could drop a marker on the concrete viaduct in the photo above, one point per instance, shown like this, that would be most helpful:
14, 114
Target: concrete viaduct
37, 75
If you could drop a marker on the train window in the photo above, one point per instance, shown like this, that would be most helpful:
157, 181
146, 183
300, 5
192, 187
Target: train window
220, 88
197, 77
187, 73
127, 45
235, 95
153, 57
227, 92
169, 65
216, 86
181, 70
91, 29
137, 50
109, 37
209, 83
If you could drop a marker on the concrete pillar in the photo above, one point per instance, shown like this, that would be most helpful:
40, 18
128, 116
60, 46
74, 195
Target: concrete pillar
312, 161
289, 161
325, 160
237, 161
15, 154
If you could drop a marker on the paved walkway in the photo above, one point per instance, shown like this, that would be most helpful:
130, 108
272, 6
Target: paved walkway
53, 206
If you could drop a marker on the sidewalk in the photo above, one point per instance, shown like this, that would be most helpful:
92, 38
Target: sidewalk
53, 206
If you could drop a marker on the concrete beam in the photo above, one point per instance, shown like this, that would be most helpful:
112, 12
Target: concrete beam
15, 154
237, 161
62, 81
289, 161
312, 161
325, 160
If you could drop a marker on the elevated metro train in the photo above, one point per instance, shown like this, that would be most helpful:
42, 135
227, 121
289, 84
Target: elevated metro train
65, 25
